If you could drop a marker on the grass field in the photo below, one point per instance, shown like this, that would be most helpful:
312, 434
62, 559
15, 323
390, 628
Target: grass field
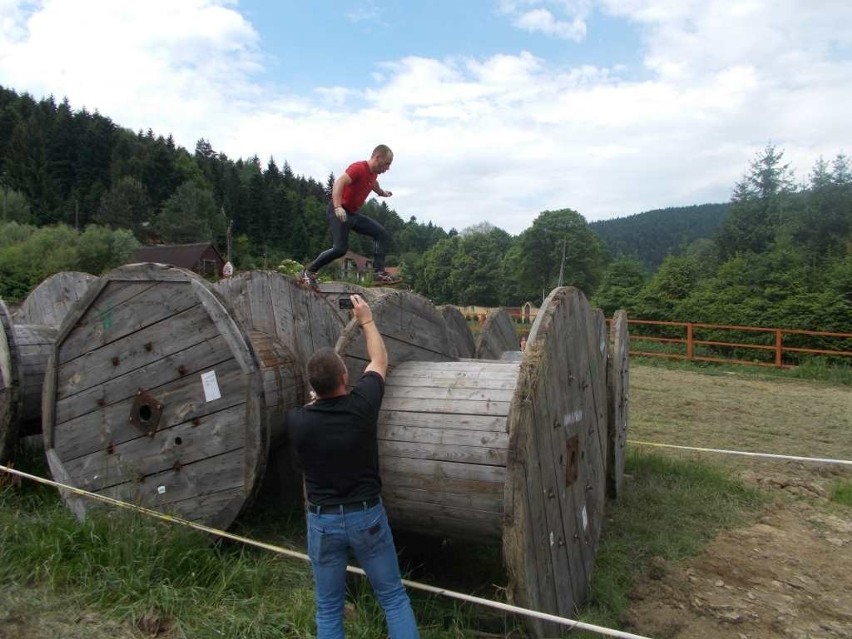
123, 575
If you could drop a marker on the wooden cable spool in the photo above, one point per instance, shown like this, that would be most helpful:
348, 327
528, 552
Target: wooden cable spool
618, 399
28, 336
154, 395
498, 335
461, 339
9, 386
286, 324
499, 450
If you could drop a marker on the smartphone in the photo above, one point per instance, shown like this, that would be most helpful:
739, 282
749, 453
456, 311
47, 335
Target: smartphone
344, 302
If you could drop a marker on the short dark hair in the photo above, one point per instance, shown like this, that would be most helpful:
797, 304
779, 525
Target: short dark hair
382, 151
324, 370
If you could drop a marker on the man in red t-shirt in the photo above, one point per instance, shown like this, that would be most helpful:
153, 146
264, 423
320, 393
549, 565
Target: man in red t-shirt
348, 194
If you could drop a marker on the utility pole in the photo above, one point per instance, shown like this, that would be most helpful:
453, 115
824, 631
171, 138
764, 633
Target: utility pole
562, 263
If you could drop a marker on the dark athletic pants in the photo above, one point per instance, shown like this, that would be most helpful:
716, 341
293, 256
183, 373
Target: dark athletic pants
340, 237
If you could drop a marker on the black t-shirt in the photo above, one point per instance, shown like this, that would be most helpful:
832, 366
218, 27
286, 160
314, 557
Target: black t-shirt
336, 442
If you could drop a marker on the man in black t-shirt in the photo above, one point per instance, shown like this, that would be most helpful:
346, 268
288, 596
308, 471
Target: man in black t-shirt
335, 438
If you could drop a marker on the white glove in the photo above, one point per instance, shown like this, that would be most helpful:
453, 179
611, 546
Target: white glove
340, 212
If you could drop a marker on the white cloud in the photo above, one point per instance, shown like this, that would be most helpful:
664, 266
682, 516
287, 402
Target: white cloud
497, 138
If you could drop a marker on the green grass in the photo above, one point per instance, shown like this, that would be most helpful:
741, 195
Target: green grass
669, 509
146, 572
814, 369
841, 492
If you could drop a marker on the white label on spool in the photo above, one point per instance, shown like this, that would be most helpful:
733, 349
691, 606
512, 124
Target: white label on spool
573, 417
161, 490
551, 537
585, 520
211, 386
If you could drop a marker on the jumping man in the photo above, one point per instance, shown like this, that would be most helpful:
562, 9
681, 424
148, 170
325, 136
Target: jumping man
348, 194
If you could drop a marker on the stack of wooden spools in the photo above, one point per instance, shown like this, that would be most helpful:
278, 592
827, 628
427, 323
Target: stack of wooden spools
164, 390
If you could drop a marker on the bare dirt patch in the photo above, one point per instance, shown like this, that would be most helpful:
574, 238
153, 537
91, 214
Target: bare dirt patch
789, 575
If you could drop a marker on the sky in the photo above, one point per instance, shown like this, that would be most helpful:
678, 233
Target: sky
496, 110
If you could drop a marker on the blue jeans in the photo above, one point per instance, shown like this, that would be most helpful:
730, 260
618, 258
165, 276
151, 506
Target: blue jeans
340, 237
331, 534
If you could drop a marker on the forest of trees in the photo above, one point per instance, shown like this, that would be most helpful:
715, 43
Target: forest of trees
652, 236
78, 192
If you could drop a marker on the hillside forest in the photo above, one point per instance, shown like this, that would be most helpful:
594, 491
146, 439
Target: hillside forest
79, 192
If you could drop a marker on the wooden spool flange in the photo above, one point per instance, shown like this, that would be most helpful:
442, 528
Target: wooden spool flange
461, 339
9, 386
412, 327
498, 336
511, 450
153, 395
24, 350
618, 396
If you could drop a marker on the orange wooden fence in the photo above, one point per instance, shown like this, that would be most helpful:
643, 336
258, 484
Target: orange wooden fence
681, 340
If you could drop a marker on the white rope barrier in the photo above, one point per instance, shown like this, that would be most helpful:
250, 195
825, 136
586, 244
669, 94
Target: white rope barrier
819, 460
543, 616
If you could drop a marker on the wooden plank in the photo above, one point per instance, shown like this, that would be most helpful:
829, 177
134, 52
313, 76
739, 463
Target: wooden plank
53, 298
618, 392
489, 486
182, 400
473, 407
491, 503
412, 328
443, 470
487, 423
171, 447
497, 336
461, 339
34, 345
141, 348
477, 393
188, 363
9, 386
440, 452
443, 436
125, 308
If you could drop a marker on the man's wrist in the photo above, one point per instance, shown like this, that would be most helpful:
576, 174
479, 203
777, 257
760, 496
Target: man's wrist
367, 322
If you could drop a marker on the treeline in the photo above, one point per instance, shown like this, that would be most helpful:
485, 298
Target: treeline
79, 168
652, 236
780, 256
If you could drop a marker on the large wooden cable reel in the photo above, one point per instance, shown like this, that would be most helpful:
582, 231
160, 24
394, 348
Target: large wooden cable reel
153, 395
511, 450
25, 345
461, 339
498, 336
9, 386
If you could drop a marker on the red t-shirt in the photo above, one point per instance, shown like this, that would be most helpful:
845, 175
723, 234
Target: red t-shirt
355, 193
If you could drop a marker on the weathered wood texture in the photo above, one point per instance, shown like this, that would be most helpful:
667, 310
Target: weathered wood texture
442, 446
461, 339
49, 302
9, 386
498, 336
555, 487
29, 334
286, 324
153, 393
618, 400
413, 331
299, 320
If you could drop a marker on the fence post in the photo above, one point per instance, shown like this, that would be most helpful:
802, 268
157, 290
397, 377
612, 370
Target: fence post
689, 344
778, 348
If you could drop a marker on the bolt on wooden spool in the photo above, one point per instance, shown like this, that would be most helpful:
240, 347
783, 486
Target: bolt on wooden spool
503, 451
28, 336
